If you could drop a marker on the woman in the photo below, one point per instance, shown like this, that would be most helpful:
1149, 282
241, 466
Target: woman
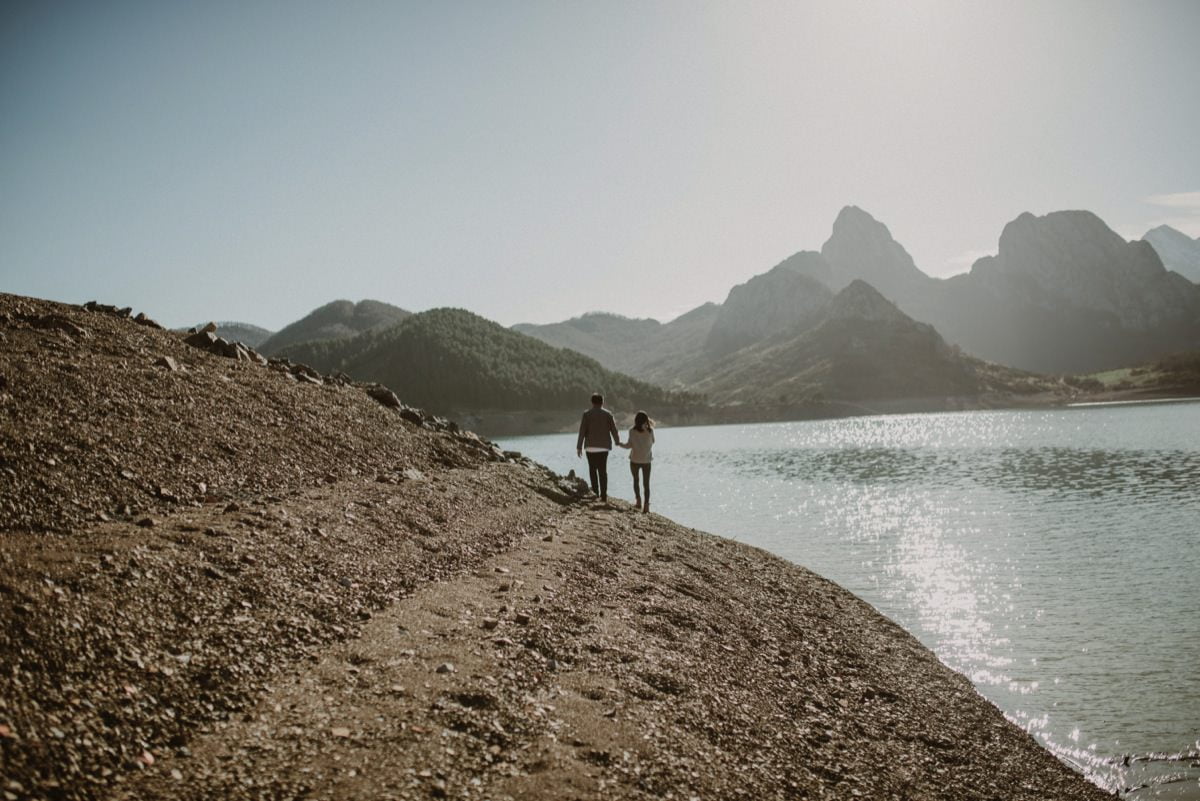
639, 442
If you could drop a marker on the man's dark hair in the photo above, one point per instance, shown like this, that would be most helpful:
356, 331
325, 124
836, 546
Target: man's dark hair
597, 399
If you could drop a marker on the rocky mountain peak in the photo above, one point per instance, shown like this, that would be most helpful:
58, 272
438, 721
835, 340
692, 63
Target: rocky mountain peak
1057, 241
1178, 251
862, 247
1067, 293
809, 263
765, 305
1074, 254
855, 217
1168, 232
861, 301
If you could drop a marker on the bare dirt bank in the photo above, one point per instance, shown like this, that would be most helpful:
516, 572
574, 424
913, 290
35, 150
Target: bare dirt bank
225, 582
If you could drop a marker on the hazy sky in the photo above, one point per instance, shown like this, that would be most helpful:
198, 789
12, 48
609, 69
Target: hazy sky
532, 161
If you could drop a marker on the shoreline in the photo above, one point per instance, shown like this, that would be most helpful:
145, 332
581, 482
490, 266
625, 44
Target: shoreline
537, 665
1133, 401
770, 523
564, 421
221, 581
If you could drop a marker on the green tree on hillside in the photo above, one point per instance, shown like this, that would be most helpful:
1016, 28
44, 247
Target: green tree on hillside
453, 360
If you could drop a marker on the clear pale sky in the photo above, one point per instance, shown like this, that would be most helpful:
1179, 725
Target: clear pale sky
532, 161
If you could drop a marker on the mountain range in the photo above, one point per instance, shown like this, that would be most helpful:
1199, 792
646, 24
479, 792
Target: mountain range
1064, 294
853, 327
456, 362
823, 354
854, 346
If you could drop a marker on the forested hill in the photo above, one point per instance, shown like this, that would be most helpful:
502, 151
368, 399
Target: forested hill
453, 361
340, 319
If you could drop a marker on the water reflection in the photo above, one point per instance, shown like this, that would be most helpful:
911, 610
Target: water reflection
1051, 557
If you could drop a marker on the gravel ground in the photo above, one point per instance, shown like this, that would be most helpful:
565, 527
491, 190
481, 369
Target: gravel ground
220, 579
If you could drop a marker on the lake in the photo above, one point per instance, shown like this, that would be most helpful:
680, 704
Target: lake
1051, 556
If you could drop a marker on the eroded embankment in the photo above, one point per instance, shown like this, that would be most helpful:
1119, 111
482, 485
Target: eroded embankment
358, 606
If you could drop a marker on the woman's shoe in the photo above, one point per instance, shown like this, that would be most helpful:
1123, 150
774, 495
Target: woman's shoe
637, 502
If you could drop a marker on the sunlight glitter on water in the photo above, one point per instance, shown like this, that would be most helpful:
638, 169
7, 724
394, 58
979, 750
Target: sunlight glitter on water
1050, 556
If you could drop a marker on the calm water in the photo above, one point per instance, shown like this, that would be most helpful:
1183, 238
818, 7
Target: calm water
1050, 556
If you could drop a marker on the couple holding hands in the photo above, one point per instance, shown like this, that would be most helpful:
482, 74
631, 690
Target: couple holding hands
597, 432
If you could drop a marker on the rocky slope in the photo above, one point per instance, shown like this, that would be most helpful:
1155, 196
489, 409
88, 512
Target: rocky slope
340, 319
1067, 294
250, 335
769, 303
1178, 251
219, 580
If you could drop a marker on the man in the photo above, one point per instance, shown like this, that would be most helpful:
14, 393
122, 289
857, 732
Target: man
598, 430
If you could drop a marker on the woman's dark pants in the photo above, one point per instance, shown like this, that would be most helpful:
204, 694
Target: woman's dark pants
598, 471
645, 468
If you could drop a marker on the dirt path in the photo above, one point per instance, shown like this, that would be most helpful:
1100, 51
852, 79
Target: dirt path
124, 642
444, 692
611, 654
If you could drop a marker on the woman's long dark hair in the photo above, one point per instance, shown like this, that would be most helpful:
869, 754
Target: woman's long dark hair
642, 422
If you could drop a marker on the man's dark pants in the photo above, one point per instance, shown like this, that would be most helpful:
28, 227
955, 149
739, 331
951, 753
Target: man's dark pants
598, 471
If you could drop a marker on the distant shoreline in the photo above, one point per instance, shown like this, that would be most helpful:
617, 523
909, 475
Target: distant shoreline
501, 423
1133, 401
